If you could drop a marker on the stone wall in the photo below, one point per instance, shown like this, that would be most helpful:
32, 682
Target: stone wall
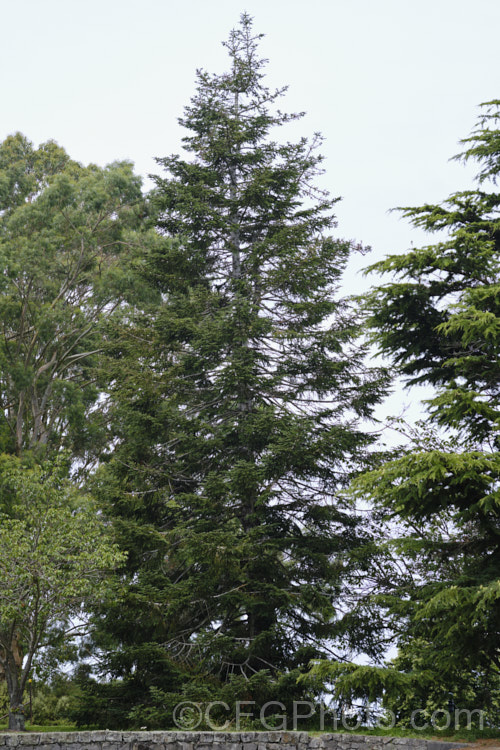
110, 740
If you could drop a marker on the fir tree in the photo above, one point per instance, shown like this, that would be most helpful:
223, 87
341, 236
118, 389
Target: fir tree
240, 425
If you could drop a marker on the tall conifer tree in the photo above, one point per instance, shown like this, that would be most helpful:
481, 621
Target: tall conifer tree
241, 425
439, 320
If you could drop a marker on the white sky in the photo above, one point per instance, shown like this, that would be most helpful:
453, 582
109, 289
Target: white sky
392, 84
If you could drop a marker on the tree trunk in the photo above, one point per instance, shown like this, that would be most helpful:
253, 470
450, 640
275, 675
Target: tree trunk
16, 718
15, 691
16, 708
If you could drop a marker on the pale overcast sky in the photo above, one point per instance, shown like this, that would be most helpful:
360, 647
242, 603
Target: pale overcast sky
392, 84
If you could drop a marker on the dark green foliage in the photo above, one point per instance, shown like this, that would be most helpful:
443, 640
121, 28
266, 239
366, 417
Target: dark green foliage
413, 692
237, 409
440, 323
115, 704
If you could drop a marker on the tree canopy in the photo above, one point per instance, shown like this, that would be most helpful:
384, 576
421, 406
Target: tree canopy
227, 482
67, 235
439, 322
55, 554
192, 489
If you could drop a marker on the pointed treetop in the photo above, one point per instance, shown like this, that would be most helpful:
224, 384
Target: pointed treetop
483, 144
242, 47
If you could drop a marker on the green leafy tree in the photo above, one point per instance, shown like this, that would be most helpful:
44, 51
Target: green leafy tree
55, 554
439, 321
67, 237
239, 425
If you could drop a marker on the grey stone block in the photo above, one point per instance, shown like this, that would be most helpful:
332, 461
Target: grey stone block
113, 736
84, 737
99, 735
31, 739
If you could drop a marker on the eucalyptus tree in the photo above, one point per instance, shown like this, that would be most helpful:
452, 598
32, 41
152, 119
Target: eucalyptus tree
67, 233
68, 236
